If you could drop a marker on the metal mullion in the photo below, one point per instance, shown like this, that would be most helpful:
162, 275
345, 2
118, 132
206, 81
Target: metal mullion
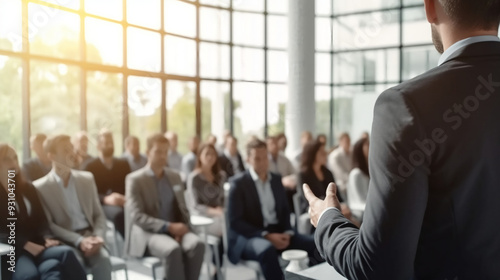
125, 120
198, 94
231, 81
266, 78
83, 73
25, 99
332, 107
163, 107
375, 11
378, 48
400, 41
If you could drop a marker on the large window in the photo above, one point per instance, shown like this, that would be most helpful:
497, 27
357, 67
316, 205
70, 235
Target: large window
196, 67
376, 45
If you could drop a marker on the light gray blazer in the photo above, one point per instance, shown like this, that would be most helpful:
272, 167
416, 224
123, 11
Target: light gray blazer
57, 212
142, 217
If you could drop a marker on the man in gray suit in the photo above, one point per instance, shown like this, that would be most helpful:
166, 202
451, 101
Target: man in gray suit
433, 208
72, 207
156, 217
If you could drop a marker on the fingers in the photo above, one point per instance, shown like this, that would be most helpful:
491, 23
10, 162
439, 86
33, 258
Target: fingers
308, 193
331, 190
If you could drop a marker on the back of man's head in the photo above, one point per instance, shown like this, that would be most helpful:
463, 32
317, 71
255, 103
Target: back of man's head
477, 14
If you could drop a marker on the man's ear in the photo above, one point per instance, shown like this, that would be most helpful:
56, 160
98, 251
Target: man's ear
430, 10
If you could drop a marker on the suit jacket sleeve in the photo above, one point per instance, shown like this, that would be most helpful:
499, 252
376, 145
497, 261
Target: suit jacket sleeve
135, 204
386, 244
98, 214
236, 210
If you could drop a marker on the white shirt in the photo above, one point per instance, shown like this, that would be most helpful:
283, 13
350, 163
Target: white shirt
79, 221
281, 165
357, 190
463, 43
266, 198
340, 163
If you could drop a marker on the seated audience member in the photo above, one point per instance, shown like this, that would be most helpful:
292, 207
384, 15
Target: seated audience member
205, 187
322, 139
305, 138
259, 219
174, 157
72, 207
359, 178
220, 147
157, 218
230, 160
81, 142
39, 166
132, 153
189, 160
212, 139
314, 173
109, 174
280, 164
282, 142
38, 256
340, 163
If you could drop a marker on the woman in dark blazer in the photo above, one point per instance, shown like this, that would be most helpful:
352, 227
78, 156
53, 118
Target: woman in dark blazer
313, 172
37, 256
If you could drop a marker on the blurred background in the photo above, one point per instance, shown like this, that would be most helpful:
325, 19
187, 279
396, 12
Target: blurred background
196, 67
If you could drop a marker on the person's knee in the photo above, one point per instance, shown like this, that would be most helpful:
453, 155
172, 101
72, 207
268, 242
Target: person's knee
267, 250
49, 266
175, 252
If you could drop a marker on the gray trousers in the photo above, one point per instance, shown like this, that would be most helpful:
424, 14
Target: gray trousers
182, 261
99, 264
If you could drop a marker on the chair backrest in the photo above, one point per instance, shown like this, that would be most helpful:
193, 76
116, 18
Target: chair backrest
297, 200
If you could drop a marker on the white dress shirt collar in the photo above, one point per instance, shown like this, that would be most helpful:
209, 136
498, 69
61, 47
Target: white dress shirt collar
463, 43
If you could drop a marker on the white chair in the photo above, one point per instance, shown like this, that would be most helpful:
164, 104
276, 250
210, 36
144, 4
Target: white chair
152, 263
253, 265
117, 264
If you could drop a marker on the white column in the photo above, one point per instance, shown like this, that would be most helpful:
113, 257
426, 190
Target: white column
301, 106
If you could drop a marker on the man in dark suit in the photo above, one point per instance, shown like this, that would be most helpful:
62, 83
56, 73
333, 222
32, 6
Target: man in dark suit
39, 166
230, 159
259, 218
433, 203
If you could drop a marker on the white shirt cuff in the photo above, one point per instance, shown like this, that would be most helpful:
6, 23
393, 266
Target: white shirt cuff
327, 209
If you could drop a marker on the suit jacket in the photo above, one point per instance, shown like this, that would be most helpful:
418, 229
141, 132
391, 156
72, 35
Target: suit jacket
33, 170
433, 208
244, 212
227, 166
31, 225
142, 217
57, 212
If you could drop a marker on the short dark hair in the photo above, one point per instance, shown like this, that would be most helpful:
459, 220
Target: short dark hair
50, 144
155, 138
483, 14
255, 144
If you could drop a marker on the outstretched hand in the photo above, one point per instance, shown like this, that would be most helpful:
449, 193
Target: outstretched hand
317, 206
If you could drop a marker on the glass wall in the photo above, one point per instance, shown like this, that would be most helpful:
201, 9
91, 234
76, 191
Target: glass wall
365, 47
196, 67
